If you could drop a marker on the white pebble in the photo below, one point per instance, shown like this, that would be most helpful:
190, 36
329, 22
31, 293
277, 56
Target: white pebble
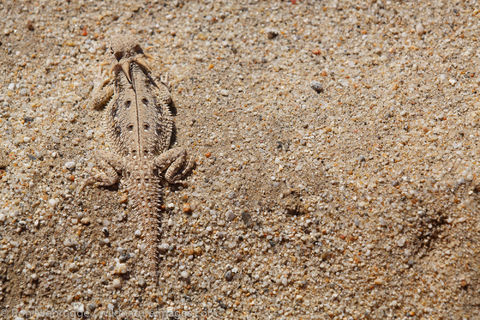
53, 202
90, 134
78, 307
11, 86
452, 81
116, 283
120, 268
420, 29
184, 275
70, 165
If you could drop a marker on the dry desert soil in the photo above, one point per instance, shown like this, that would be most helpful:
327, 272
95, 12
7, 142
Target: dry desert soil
337, 147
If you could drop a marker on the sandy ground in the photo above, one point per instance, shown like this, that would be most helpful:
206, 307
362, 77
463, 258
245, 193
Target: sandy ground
337, 148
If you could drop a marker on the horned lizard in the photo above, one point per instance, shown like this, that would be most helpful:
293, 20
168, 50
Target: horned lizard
139, 122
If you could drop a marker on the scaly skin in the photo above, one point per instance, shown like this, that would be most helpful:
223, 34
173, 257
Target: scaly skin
139, 123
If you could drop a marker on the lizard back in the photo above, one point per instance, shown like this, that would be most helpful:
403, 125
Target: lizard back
141, 122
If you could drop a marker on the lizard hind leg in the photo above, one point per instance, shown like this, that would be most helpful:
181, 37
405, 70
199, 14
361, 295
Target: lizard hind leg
176, 164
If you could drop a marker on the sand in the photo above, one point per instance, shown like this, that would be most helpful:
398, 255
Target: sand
337, 149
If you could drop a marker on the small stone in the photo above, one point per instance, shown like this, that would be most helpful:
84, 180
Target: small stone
78, 307
11, 86
89, 134
163, 248
30, 26
138, 233
34, 277
247, 218
141, 282
382, 222
420, 29
272, 33
73, 267
316, 86
120, 268
85, 221
224, 92
401, 242
116, 283
123, 198
229, 275
230, 215
187, 208
70, 165
184, 275
452, 81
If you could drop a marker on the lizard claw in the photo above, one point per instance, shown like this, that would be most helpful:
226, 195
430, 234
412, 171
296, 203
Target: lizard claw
165, 80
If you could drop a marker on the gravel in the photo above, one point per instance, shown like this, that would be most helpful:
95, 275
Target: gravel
337, 147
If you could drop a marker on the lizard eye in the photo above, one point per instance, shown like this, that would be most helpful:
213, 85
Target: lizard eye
119, 55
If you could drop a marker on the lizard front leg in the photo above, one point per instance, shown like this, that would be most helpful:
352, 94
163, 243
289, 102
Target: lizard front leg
102, 91
110, 166
176, 163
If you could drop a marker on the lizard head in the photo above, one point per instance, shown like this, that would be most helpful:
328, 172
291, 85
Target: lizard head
125, 47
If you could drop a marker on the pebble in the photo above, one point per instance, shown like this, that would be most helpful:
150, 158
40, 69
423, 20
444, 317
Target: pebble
11, 86
78, 307
401, 242
73, 267
272, 33
184, 275
120, 268
163, 248
116, 283
230, 215
316, 86
53, 202
224, 92
420, 29
247, 219
141, 282
229, 275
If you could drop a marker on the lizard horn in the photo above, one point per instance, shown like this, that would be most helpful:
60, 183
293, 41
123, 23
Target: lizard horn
149, 56
126, 69
142, 63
